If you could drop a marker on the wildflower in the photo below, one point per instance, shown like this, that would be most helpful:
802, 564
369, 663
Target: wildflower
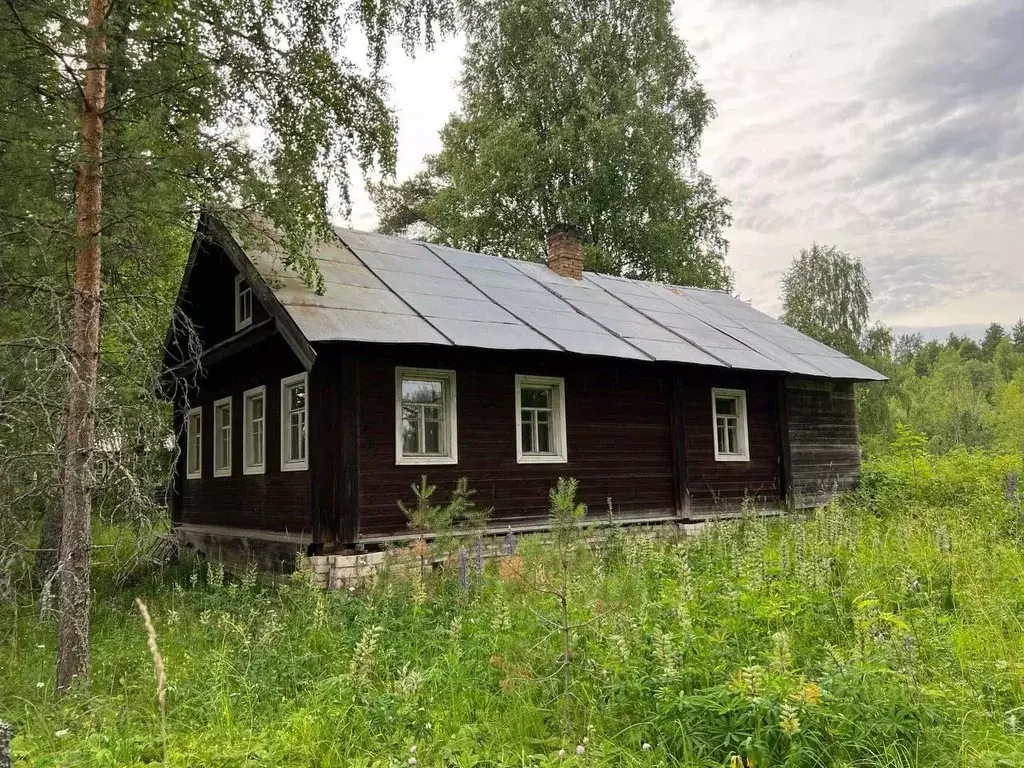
736, 762
62, 733
412, 749
40, 646
351, 589
429, 726
40, 684
561, 753
645, 747
580, 749
413, 761
463, 568
789, 723
586, 739
809, 693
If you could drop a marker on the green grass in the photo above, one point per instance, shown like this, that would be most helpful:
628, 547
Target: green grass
884, 631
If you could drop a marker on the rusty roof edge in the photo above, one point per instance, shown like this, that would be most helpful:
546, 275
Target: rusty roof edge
581, 313
397, 295
493, 301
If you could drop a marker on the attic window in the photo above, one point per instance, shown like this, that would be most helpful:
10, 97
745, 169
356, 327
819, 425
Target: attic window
425, 420
730, 424
243, 303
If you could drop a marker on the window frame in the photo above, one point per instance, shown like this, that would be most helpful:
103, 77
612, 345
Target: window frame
293, 465
560, 441
191, 474
740, 396
217, 406
242, 286
249, 468
449, 414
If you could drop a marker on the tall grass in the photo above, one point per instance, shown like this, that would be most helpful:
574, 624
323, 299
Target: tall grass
887, 630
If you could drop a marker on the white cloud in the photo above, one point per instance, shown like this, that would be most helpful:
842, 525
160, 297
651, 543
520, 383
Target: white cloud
893, 130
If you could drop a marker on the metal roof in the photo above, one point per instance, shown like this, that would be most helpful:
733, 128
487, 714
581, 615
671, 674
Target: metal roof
392, 290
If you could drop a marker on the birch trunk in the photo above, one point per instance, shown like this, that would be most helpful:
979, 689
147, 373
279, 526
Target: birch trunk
76, 506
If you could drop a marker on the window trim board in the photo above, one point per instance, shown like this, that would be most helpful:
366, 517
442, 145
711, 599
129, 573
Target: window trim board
225, 471
743, 422
301, 464
447, 377
247, 468
241, 324
198, 473
560, 456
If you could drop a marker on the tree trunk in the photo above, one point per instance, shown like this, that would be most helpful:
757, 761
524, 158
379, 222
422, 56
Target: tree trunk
76, 507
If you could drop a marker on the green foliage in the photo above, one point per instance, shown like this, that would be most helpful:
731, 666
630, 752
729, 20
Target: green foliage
444, 523
825, 294
588, 114
882, 631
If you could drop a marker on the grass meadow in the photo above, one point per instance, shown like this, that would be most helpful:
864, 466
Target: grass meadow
885, 630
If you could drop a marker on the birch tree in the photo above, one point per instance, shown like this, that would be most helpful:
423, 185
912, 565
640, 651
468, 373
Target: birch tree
166, 96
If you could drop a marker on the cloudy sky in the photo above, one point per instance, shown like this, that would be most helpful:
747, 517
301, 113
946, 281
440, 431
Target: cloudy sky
893, 129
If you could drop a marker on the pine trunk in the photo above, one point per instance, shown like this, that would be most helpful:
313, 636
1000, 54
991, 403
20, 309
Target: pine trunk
76, 506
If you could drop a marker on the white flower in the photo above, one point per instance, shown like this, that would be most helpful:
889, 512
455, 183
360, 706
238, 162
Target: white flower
412, 761
40, 646
429, 726
351, 589
412, 749
561, 753
62, 733
586, 739
646, 747
40, 684
580, 749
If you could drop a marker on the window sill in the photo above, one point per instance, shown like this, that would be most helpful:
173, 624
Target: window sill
541, 458
261, 470
222, 472
420, 461
194, 476
297, 466
731, 457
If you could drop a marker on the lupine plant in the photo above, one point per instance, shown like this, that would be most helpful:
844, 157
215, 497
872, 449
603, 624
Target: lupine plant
883, 630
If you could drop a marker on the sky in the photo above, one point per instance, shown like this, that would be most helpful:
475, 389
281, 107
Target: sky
893, 129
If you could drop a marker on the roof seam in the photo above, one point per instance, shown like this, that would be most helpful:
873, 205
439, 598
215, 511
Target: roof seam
662, 325
392, 290
581, 313
494, 301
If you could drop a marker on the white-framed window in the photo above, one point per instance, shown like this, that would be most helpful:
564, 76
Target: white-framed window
194, 444
426, 426
540, 420
222, 438
243, 303
254, 436
729, 407
294, 419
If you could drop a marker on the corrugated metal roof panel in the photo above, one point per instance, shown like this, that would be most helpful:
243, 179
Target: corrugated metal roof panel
391, 290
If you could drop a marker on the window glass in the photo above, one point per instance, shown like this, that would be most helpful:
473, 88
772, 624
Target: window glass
255, 430
541, 419
194, 444
243, 303
730, 426
425, 410
222, 438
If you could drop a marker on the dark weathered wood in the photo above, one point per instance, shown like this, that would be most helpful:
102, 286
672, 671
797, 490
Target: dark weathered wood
824, 439
175, 499
285, 324
347, 522
275, 500
619, 441
326, 398
785, 452
722, 486
222, 350
678, 427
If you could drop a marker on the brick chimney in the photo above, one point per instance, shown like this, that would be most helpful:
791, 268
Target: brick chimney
565, 251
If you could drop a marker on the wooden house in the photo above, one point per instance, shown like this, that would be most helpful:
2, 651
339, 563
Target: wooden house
304, 418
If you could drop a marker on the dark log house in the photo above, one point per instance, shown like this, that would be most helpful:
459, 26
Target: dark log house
305, 417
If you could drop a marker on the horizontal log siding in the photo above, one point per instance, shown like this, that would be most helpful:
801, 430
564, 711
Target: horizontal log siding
274, 501
618, 429
724, 485
824, 439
